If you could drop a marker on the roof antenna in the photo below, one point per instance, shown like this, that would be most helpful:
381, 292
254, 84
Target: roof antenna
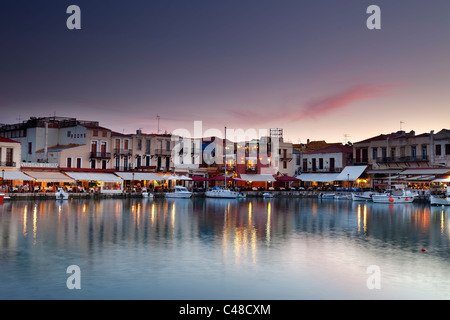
401, 122
345, 138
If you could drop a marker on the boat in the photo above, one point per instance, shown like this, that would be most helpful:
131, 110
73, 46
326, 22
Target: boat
326, 195
343, 197
222, 192
438, 201
365, 196
61, 194
268, 195
241, 195
219, 192
179, 192
146, 194
395, 196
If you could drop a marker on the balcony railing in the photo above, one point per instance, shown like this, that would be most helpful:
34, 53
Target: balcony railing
163, 152
403, 159
7, 164
122, 151
100, 155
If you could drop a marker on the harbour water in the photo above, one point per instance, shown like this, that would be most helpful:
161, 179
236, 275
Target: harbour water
280, 248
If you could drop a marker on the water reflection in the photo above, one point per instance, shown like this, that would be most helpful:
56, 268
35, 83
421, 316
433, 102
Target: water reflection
246, 235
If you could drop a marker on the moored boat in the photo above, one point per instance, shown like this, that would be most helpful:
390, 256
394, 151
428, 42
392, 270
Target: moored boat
61, 194
218, 192
179, 192
365, 196
326, 195
268, 195
396, 196
438, 201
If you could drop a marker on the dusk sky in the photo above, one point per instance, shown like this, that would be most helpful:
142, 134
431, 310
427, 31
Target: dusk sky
312, 68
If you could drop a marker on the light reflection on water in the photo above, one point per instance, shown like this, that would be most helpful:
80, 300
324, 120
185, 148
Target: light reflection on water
223, 249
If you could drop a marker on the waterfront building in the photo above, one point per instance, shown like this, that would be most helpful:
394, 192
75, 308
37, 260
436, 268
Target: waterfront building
405, 157
318, 163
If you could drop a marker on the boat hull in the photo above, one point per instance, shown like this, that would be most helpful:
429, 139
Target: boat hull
434, 201
179, 195
361, 197
222, 194
392, 199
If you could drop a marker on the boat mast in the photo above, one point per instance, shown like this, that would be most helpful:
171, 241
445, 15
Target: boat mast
225, 156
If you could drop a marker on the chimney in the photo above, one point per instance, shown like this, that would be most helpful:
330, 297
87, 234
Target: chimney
307, 141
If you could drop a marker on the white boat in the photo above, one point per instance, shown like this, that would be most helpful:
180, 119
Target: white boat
437, 201
268, 195
179, 192
218, 192
326, 195
343, 197
61, 194
396, 196
146, 194
222, 192
365, 196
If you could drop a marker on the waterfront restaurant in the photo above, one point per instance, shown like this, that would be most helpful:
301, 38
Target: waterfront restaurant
101, 182
49, 181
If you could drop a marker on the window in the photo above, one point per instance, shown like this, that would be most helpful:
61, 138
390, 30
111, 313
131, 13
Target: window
447, 149
93, 164
374, 153
104, 163
30, 147
69, 134
167, 145
9, 157
95, 133
413, 152
69, 163
424, 152
438, 150
78, 162
125, 144
320, 163
104, 133
139, 144
147, 146
284, 164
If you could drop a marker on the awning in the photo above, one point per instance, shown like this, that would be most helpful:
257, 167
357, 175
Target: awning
441, 180
15, 175
257, 177
351, 173
430, 171
94, 176
318, 177
138, 176
49, 176
286, 179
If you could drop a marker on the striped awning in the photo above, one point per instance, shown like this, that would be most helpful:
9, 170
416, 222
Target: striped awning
49, 176
94, 176
15, 175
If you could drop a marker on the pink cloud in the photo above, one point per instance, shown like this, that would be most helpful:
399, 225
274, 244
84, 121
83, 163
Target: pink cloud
319, 107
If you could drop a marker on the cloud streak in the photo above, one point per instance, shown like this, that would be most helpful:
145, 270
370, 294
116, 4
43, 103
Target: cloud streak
319, 107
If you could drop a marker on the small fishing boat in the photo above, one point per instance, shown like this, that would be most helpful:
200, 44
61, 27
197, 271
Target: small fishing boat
219, 192
441, 201
326, 195
365, 196
343, 197
179, 192
396, 196
61, 194
268, 195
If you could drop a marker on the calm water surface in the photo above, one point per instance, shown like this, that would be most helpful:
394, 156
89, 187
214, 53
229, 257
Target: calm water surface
281, 248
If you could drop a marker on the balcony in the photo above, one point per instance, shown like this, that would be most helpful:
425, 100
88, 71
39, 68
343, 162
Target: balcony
100, 155
122, 151
7, 164
403, 159
163, 152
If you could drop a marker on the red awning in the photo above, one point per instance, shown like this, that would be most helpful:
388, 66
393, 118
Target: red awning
286, 179
198, 178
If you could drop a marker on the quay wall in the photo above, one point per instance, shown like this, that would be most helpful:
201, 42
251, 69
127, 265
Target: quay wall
249, 194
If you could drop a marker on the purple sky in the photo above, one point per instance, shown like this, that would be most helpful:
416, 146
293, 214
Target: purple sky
309, 67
